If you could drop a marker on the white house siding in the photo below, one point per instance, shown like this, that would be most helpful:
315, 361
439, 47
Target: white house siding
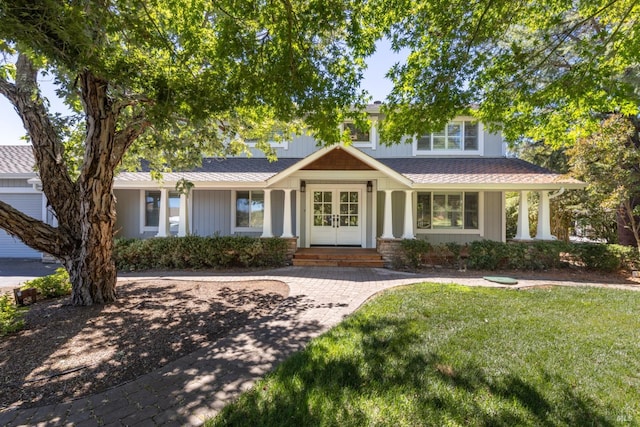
211, 212
128, 213
30, 204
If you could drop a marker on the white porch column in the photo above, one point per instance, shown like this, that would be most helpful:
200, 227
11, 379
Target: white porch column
163, 215
286, 224
387, 229
544, 218
408, 215
523, 218
266, 221
183, 228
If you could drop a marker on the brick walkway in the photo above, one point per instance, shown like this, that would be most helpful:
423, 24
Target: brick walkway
195, 387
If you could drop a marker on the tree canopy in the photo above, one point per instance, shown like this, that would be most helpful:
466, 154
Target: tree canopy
547, 70
169, 81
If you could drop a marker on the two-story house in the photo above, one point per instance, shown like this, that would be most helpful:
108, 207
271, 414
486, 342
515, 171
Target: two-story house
445, 186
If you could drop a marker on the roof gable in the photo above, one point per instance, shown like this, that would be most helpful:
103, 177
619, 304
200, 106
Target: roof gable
337, 160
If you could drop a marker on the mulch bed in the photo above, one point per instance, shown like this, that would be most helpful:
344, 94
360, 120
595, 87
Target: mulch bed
67, 352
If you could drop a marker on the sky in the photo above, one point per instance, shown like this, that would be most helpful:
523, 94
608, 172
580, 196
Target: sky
11, 129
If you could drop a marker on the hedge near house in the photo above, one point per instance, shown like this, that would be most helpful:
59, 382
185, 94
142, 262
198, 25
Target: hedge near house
194, 252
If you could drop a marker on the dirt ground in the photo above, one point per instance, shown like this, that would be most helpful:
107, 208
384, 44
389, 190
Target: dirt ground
66, 352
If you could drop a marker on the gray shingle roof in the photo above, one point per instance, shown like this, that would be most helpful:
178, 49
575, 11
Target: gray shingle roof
16, 159
222, 170
438, 171
474, 171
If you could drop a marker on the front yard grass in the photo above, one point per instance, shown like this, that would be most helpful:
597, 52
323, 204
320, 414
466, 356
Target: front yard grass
450, 355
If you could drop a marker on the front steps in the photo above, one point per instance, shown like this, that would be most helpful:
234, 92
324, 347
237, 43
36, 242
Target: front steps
337, 257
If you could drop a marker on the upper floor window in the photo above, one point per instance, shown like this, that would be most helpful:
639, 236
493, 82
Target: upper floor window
249, 212
363, 138
457, 136
277, 139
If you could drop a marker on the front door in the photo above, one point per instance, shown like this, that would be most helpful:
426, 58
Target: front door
336, 215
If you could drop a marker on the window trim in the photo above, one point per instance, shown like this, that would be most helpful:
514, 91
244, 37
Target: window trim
461, 151
373, 134
473, 231
234, 199
143, 210
284, 144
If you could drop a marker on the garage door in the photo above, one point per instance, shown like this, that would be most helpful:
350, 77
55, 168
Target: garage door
12, 247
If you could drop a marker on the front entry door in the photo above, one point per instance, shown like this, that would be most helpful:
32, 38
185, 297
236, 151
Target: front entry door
336, 215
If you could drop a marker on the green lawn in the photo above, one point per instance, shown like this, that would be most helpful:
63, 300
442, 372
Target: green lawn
450, 355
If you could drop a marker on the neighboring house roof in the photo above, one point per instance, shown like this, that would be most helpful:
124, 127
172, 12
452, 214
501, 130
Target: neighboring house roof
16, 159
483, 171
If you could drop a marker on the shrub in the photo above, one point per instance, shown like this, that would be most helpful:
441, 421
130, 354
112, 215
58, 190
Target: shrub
51, 286
195, 252
413, 251
488, 255
596, 256
10, 316
628, 256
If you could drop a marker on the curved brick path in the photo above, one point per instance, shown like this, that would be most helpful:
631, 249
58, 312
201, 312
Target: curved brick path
190, 389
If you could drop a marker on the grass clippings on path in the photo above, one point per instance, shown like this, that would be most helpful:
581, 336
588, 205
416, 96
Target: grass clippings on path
451, 355
67, 352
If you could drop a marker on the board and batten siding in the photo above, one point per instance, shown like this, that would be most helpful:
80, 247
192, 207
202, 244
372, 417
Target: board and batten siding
211, 212
15, 183
30, 204
128, 213
493, 216
303, 146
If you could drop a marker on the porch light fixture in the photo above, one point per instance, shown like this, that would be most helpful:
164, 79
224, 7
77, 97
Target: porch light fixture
369, 186
303, 186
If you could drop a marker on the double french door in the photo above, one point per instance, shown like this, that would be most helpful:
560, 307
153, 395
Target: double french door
336, 215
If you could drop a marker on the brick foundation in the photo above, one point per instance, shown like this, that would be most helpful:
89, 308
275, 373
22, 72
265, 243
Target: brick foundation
390, 250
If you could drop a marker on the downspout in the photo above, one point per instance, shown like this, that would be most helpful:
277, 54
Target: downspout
556, 194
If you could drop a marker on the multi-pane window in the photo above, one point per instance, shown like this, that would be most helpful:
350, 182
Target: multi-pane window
249, 209
456, 210
456, 136
357, 134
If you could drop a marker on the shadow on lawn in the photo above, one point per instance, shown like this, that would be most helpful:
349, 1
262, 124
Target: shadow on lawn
392, 377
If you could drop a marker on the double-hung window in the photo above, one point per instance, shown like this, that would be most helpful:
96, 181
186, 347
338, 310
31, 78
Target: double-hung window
448, 211
363, 138
458, 136
249, 212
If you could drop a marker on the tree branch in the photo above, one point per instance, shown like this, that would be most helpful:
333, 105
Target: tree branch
125, 137
47, 147
35, 233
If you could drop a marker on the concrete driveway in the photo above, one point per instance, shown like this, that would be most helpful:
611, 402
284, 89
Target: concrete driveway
15, 271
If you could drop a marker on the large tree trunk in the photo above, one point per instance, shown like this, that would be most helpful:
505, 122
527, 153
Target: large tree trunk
85, 208
92, 271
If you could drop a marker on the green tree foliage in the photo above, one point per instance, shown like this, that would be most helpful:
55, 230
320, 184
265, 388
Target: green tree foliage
546, 69
167, 81
609, 160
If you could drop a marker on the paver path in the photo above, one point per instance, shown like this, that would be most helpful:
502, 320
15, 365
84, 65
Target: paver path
190, 389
